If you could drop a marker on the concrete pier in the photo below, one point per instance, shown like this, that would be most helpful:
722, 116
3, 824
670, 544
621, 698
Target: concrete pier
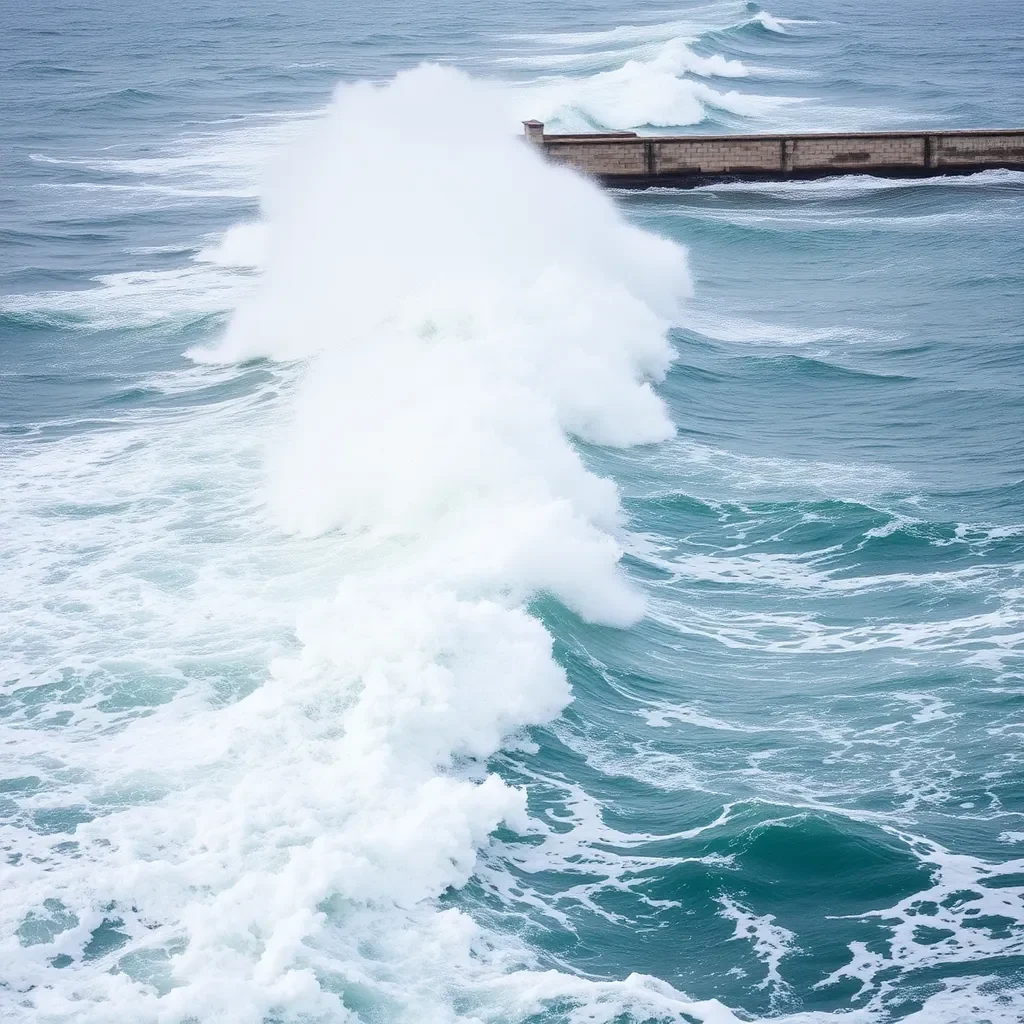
628, 160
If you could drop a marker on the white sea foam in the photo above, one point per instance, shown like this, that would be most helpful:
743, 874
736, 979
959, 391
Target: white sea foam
713, 323
627, 34
786, 221
674, 55
814, 572
453, 335
224, 157
242, 245
697, 20
747, 476
213, 280
853, 185
771, 941
137, 298
984, 638
964, 910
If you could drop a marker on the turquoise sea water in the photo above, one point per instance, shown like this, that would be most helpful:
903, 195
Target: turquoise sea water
436, 591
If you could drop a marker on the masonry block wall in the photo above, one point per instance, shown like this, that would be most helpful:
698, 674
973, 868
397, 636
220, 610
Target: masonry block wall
716, 155
857, 152
638, 159
615, 156
992, 147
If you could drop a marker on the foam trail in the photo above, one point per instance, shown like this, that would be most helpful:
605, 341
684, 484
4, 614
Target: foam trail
461, 311
674, 55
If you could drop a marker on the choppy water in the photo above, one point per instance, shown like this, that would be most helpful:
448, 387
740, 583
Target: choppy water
442, 592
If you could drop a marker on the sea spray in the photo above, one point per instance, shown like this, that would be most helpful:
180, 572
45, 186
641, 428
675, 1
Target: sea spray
462, 309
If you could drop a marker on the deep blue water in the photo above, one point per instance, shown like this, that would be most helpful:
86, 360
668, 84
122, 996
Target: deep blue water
322, 695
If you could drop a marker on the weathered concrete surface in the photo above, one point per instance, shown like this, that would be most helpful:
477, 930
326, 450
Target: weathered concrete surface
627, 160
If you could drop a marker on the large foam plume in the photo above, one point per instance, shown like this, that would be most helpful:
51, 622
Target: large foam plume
463, 310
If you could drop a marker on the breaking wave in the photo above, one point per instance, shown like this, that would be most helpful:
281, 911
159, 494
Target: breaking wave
454, 334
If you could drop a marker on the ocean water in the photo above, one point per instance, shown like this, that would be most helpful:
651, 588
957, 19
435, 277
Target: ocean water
437, 591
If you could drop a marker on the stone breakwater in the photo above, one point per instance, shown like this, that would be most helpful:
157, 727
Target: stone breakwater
625, 159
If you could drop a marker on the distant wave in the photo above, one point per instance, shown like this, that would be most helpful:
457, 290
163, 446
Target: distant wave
656, 75
667, 88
